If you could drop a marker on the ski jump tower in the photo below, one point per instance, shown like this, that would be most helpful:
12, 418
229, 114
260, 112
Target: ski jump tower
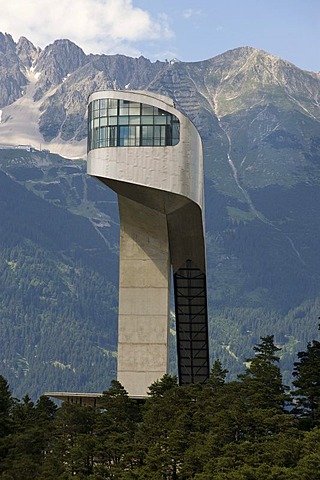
150, 154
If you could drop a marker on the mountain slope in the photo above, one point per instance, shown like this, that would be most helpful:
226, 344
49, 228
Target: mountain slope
57, 272
258, 117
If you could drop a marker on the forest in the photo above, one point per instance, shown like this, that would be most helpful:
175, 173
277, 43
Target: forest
247, 429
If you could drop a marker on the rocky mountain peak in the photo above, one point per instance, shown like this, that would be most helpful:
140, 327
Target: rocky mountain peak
56, 62
7, 44
244, 77
12, 79
27, 52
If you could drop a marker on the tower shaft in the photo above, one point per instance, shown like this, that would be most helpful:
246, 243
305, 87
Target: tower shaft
150, 154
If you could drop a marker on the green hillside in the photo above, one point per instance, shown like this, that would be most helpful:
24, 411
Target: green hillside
58, 299
59, 237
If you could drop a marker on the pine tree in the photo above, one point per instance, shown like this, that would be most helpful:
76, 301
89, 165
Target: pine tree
27, 444
165, 431
264, 395
6, 426
217, 376
263, 379
160, 387
6, 402
114, 432
70, 451
307, 382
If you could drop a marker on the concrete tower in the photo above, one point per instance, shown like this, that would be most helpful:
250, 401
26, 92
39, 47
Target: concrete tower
150, 154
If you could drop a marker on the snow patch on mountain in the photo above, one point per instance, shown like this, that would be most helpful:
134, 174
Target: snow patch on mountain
19, 124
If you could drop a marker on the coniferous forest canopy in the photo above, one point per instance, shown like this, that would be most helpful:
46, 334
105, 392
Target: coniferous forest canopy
251, 428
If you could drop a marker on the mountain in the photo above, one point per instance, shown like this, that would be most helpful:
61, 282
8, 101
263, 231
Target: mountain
58, 274
259, 119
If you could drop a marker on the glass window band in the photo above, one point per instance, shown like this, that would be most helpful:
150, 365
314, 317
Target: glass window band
117, 123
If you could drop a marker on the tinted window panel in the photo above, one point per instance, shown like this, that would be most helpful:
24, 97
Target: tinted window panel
113, 123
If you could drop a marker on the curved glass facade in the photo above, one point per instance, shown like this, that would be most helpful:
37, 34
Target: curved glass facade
122, 123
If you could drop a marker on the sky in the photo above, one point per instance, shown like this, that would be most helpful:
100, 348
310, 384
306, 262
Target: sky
165, 29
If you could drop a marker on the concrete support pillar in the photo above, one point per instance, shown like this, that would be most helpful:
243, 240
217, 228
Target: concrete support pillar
144, 289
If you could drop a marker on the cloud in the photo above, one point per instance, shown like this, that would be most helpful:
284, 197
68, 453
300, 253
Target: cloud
98, 26
190, 13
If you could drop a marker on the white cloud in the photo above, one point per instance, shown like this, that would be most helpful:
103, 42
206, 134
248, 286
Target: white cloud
190, 13
98, 26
